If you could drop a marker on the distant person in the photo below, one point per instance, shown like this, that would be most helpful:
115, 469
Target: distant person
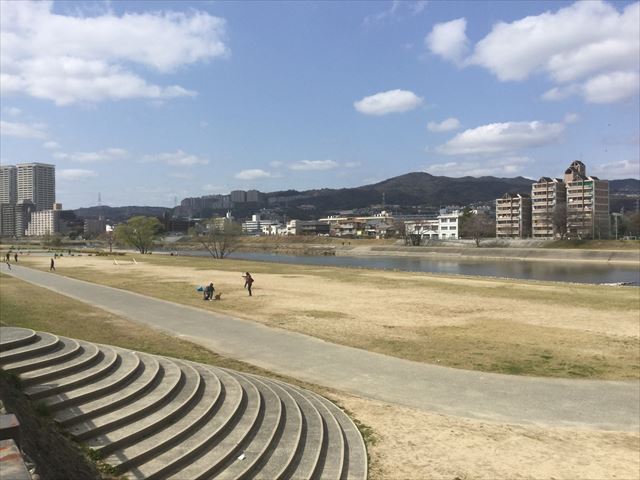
208, 292
52, 267
248, 281
15, 257
8, 265
7, 256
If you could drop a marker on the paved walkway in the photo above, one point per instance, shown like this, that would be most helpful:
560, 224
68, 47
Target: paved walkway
502, 398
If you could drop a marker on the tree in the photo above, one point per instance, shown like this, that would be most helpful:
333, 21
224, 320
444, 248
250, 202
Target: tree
139, 232
219, 236
478, 226
559, 220
634, 224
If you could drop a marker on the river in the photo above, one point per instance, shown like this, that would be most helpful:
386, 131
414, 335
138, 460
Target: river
521, 269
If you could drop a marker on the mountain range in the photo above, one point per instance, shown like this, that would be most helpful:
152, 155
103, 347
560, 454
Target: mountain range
411, 189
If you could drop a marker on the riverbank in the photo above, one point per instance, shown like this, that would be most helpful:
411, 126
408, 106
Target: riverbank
560, 330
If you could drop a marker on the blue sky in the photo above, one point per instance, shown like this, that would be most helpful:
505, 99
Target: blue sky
145, 102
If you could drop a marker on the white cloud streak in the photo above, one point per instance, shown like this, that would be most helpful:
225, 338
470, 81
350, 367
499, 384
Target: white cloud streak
447, 125
502, 137
506, 167
106, 155
178, 158
70, 59
22, 130
75, 174
305, 165
252, 174
391, 101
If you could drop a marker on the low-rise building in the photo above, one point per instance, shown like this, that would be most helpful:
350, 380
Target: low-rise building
44, 222
449, 224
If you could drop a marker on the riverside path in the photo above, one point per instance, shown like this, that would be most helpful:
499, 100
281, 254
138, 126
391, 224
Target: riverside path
595, 404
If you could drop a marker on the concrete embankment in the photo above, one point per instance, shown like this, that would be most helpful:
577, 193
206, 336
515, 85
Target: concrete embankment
538, 254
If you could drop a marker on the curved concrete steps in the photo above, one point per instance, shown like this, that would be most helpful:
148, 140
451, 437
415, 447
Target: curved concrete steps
155, 417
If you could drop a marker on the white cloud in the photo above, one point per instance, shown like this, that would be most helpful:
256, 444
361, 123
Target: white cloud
22, 130
398, 10
314, 165
276, 163
352, 164
586, 48
571, 118
449, 40
74, 174
13, 111
447, 125
506, 167
502, 137
611, 87
51, 145
181, 175
69, 59
620, 169
177, 158
107, 155
391, 101
252, 174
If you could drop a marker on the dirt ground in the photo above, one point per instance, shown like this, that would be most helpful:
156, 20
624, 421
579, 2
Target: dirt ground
505, 326
411, 444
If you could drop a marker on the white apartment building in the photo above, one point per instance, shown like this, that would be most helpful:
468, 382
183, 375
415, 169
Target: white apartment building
449, 224
44, 222
426, 229
37, 182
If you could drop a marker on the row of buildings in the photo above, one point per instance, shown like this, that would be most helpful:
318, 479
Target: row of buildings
575, 206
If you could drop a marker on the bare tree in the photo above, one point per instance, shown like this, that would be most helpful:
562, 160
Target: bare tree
478, 226
219, 236
559, 220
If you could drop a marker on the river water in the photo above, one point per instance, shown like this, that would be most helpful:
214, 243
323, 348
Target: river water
527, 270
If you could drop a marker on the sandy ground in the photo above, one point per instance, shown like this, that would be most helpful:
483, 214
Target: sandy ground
413, 444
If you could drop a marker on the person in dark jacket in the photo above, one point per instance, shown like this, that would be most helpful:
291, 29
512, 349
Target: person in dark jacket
248, 281
208, 292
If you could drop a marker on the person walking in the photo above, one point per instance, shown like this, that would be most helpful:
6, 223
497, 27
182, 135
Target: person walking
52, 267
248, 281
15, 257
8, 264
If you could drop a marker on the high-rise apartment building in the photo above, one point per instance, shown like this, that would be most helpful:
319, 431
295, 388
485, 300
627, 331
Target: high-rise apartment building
587, 204
513, 216
548, 200
8, 184
37, 182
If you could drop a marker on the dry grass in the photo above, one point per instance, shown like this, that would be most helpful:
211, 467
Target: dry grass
506, 326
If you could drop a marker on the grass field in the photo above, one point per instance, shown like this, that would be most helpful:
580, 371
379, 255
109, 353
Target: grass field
504, 326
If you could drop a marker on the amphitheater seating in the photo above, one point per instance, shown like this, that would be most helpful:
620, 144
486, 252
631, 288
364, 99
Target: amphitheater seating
157, 417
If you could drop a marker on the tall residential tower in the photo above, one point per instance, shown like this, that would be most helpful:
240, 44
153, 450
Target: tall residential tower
37, 183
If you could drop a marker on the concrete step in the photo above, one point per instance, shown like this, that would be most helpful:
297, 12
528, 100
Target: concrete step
233, 401
127, 366
252, 449
226, 446
41, 343
171, 382
67, 349
141, 382
331, 458
154, 417
181, 402
355, 459
90, 354
14, 337
310, 446
208, 405
286, 442
107, 361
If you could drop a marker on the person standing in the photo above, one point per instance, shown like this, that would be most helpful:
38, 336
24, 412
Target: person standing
208, 292
248, 281
52, 267
15, 257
